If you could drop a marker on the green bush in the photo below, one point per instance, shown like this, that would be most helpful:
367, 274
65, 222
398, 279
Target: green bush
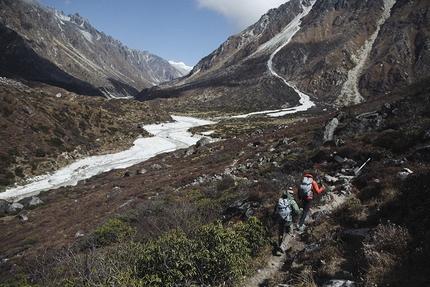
221, 255
216, 254
255, 233
112, 231
168, 260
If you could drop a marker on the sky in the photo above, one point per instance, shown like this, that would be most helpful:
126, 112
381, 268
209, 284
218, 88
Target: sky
176, 30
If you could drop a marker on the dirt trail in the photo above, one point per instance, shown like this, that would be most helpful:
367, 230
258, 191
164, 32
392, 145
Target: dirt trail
293, 246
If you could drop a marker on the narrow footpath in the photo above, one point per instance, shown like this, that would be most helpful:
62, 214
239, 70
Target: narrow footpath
275, 263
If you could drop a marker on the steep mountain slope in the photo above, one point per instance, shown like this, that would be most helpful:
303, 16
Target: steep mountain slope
340, 52
39, 44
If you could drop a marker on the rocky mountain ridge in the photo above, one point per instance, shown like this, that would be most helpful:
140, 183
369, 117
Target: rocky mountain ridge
40, 44
343, 52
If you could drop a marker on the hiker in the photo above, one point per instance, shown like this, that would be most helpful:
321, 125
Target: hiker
283, 208
306, 191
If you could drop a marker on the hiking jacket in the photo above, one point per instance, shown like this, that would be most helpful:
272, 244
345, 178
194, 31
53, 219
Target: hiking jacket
314, 188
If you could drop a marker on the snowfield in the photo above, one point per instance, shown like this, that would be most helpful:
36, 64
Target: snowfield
167, 137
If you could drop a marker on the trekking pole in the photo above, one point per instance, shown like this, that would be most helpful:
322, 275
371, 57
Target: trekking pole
356, 171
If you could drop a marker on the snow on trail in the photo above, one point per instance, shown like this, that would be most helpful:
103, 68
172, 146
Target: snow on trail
167, 137
350, 93
280, 41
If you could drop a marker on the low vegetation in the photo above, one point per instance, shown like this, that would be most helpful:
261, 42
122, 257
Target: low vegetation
41, 132
180, 231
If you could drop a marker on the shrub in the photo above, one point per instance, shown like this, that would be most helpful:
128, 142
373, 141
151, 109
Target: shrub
112, 231
221, 255
254, 232
30, 241
168, 261
40, 153
383, 248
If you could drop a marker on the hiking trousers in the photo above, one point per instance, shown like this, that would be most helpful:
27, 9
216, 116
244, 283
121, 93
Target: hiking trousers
284, 228
306, 206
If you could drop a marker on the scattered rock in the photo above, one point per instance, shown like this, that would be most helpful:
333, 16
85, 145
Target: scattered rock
128, 174
317, 215
27, 110
114, 194
203, 141
339, 283
156, 166
22, 217
3, 206
189, 151
14, 207
35, 201
362, 123
79, 233
405, 173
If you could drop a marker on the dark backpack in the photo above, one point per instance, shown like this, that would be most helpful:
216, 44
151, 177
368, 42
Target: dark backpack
305, 189
283, 209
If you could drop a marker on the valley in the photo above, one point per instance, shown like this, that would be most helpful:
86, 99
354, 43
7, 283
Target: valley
117, 169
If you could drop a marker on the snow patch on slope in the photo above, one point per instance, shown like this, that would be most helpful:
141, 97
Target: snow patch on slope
277, 43
350, 93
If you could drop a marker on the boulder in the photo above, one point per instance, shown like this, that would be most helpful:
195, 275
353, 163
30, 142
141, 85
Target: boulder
203, 141
3, 206
191, 150
14, 207
35, 201
22, 217
363, 123
405, 173
326, 133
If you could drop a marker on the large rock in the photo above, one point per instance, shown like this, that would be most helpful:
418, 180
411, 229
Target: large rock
3, 206
35, 201
203, 141
326, 134
363, 123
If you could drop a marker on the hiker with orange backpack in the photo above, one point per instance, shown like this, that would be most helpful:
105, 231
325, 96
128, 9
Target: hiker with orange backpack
306, 191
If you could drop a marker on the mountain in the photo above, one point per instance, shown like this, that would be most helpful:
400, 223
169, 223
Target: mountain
39, 44
184, 69
338, 52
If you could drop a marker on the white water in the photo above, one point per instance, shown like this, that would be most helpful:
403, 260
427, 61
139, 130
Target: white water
167, 137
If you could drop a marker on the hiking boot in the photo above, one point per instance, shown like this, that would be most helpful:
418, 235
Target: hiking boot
301, 228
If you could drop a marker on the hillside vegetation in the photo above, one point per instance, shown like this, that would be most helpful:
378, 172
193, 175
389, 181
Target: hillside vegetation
204, 216
42, 131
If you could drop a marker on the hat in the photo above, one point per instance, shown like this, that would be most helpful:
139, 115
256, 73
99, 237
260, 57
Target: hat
289, 191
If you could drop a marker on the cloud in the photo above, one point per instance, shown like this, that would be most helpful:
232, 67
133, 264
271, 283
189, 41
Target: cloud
241, 13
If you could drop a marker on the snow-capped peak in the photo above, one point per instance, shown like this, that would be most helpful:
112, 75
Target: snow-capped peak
181, 67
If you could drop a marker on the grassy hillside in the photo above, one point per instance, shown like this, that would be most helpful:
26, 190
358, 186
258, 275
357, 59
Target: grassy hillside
45, 130
206, 217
